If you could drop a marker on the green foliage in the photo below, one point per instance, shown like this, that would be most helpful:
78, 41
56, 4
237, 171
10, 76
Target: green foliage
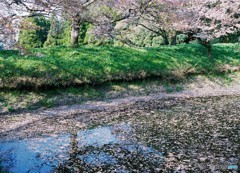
156, 41
101, 42
66, 36
232, 38
142, 38
62, 66
34, 32
181, 38
48, 103
56, 32
91, 40
60, 34
83, 33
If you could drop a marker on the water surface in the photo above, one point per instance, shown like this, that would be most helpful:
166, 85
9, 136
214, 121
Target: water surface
198, 135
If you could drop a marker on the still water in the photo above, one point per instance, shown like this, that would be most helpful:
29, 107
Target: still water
109, 147
193, 135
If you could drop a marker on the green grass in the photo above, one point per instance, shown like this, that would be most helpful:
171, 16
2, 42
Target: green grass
17, 100
62, 66
13, 101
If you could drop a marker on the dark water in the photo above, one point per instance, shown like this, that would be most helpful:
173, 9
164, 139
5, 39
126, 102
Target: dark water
193, 135
108, 147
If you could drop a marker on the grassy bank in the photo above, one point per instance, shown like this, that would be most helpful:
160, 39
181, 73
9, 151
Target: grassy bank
18, 101
61, 66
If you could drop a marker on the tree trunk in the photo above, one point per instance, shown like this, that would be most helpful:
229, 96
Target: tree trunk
187, 41
74, 36
165, 40
189, 37
208, 45
174, 39
75, 30
209, 50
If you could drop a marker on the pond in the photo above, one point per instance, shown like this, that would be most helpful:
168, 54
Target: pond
182, 135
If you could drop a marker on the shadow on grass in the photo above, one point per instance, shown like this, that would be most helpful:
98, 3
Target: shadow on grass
18, 101
77, 69
66, 67
87, 65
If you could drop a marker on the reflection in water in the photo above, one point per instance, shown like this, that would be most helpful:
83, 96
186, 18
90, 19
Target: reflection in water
186, 135
33, 155
108, 148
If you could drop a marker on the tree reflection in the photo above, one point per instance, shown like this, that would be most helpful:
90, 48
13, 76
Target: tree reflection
121, 156
193, 136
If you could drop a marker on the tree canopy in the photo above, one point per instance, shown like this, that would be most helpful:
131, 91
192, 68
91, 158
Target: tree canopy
204, 20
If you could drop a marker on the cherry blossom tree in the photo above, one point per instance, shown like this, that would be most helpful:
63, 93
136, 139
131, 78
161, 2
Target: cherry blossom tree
205, 20
165, 18
76, 11
215, 19
108, 14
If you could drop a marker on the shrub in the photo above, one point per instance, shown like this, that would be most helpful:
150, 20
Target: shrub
56, 32
181, 38
33, 32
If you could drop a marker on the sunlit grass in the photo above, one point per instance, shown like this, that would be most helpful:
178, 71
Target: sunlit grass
67, 67
62, 66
